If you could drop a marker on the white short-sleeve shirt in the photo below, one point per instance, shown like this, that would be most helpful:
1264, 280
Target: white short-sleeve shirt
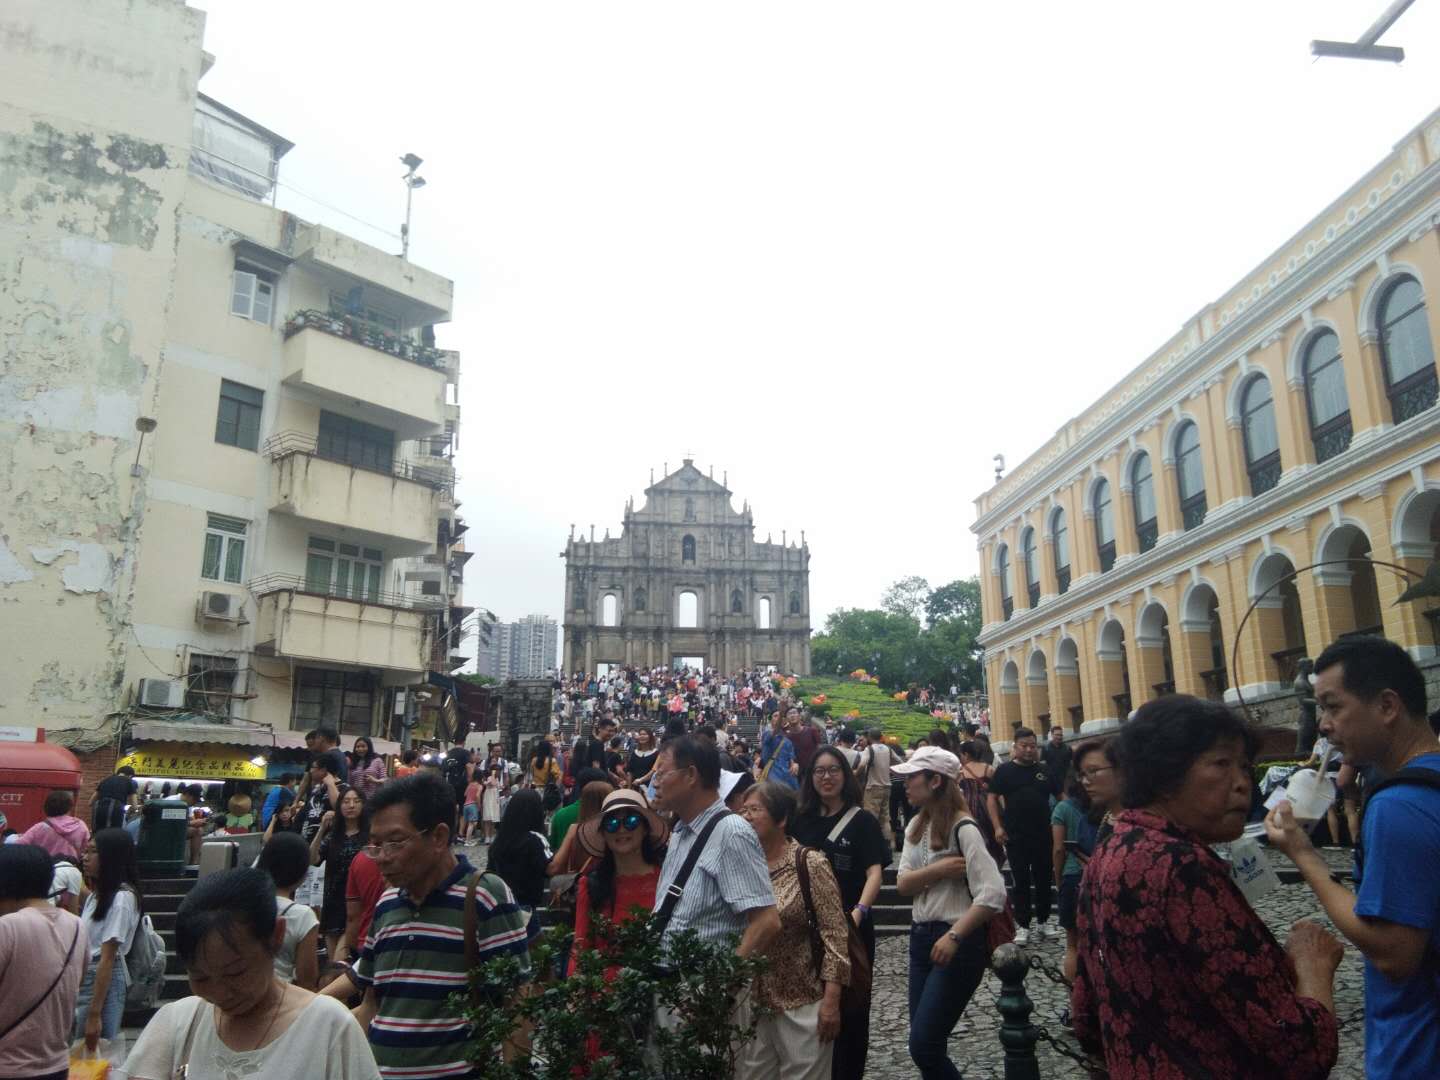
323, 1043
299, 920
118, 925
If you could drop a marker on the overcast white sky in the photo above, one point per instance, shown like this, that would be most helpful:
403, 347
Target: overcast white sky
846, 251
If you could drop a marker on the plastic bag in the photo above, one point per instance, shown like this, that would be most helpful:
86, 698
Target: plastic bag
88, 1068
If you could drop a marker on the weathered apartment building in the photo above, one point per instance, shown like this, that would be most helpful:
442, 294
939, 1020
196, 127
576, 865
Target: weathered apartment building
227, 505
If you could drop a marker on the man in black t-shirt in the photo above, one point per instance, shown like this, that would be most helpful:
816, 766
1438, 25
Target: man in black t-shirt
1019, 802
112, 796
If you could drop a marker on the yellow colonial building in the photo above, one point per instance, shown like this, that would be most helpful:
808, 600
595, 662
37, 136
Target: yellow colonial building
1290, 423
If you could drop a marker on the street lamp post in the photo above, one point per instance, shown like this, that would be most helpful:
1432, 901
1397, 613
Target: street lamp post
411, 181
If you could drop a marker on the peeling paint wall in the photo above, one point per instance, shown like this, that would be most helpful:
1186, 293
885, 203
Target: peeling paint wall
95, 115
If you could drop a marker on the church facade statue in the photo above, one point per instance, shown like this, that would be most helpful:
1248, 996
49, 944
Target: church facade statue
676, 590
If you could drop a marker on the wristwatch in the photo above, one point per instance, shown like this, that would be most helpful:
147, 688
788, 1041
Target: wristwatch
953, 936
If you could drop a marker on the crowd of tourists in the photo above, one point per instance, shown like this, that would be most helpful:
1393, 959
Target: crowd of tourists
778, 851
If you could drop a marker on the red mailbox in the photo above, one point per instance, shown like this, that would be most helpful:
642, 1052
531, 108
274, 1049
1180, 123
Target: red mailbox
28, 772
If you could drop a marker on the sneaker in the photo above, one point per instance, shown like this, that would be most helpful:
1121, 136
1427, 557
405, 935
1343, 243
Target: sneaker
1022, 936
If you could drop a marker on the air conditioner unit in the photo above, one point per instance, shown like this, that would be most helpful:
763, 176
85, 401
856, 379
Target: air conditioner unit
162, 693
221, 606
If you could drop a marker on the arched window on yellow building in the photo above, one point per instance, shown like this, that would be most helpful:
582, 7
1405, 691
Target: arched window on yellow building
1142, 484
1032, 573
1104, 526
1325, 396
1060, 545
1262, 441
1007, 601
1406, 350
1190, 476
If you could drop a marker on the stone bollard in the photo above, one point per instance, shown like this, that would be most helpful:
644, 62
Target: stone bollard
1017, 1034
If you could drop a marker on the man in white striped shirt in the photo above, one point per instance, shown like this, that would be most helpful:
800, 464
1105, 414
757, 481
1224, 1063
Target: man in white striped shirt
729, 892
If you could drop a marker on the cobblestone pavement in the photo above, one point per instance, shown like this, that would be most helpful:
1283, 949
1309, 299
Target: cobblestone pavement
975, 1045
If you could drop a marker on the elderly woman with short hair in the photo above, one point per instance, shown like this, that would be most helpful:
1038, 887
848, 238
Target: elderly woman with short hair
1177, 975
809, 960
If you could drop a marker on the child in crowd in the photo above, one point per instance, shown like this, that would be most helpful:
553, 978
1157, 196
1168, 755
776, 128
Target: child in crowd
286, 858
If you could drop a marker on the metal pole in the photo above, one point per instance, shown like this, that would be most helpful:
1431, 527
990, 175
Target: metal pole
1017, 1034
408, 721
405, 232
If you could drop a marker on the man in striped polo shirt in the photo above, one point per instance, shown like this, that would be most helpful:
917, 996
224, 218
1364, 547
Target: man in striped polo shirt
414, 953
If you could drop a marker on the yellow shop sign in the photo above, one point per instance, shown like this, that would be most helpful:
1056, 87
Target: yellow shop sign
187, 761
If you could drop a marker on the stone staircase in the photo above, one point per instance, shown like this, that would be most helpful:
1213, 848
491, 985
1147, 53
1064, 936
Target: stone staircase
162, 896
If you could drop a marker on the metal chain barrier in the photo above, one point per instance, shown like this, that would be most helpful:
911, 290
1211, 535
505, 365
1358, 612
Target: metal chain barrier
1093, 1066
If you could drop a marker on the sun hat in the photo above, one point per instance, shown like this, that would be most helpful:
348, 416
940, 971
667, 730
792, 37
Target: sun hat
932, 758
589, 835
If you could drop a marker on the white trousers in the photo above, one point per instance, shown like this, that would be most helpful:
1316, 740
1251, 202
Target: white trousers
787, 1046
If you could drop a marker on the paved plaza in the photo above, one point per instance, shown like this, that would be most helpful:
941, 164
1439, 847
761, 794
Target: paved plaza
975, 1044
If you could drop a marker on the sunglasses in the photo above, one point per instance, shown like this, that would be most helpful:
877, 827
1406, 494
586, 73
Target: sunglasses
611, 822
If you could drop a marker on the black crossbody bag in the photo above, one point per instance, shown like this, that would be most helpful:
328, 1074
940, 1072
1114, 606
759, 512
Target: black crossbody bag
676, 888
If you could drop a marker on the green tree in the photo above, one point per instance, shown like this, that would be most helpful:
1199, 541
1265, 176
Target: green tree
957, 600
906, 597
892, 644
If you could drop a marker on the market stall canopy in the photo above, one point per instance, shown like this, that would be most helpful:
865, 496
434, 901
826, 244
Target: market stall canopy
178, 731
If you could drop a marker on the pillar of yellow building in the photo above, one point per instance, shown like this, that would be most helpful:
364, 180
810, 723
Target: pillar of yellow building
1037, 691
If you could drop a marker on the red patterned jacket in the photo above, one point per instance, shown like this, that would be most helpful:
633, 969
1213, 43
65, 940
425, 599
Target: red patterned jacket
1178, 977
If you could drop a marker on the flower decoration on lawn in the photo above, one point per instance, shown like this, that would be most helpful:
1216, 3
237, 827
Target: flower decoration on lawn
860, 673
853, 714
939, 714
899, 695
818, 699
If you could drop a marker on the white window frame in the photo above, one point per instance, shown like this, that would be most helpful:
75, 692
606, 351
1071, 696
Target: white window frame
252, 293
227, 533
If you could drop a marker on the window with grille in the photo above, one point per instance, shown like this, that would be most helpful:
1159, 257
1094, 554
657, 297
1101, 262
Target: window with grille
224, 557
1326, 398
1190, 476
1142, 481
1262, 441
211, 684
355, 442
1406, 350
1007, 602
344, 700
1060, 542
237, 421
1032, 576
333, 568
1104, 526
252, 293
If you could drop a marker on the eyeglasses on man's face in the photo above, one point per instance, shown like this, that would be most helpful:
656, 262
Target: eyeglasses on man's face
391, 848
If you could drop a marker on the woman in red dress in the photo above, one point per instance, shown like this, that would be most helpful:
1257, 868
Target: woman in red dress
627, 841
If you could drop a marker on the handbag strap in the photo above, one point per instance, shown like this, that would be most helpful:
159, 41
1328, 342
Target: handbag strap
802, 871
676, 889
183, 1069
60, 975
840, 825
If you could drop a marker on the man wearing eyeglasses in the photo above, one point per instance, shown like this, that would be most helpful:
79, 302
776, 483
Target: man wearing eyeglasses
414, 956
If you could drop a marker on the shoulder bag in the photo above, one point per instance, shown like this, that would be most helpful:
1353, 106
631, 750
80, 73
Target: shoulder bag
854, 997
1000, 930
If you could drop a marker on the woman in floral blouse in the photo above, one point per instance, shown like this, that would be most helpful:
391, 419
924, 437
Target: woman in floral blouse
1178, 977
801, 988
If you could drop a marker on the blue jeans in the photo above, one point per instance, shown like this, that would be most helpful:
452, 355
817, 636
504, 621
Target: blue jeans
114, 1000
938, 995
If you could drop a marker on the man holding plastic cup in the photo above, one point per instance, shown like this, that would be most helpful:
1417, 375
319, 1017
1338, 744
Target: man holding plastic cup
1371, 700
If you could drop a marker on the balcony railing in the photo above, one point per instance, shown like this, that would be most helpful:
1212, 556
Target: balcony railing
284, 443
1217, 681
1062, 580
1265, 473
1332, 438
366, 333
1107, 557
1148, 533
1192, 512
1033, 591
1287, 663
1007, 607
1413, 396
272, 583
